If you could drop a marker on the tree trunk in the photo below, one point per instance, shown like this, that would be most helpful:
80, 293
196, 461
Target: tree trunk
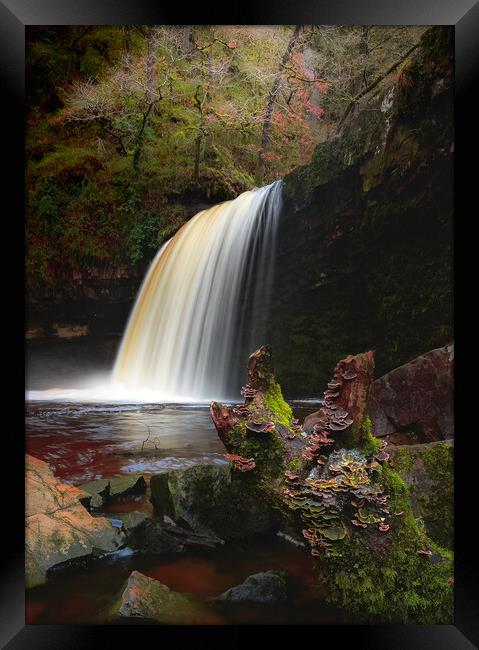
196, 173
378, 80
150, 64
187, 44
360, 80
267, 123
334, 486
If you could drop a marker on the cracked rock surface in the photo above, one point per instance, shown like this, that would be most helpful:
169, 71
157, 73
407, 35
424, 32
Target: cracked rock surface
57, 526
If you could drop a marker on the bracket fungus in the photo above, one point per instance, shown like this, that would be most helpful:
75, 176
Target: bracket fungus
248, 392
241, 410
241, 463
260, 427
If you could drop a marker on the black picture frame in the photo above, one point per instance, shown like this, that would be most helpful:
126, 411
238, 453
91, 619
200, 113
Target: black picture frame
14, 16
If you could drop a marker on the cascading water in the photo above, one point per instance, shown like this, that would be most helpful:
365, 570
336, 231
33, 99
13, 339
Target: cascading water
203, 305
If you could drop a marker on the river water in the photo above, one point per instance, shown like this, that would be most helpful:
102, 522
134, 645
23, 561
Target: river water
87, 441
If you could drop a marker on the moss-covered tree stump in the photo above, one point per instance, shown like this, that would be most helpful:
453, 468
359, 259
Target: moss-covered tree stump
335, 485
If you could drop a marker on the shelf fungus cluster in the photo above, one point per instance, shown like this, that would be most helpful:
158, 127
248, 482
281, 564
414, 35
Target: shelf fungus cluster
248, 392
241, 463
336, 494
332, 498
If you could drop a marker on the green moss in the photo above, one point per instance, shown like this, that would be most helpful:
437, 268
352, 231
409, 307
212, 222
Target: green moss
439, 463
267, 449
295, 464
429, 471
394, 584
276, 403
438, 503
403, 460
370, 444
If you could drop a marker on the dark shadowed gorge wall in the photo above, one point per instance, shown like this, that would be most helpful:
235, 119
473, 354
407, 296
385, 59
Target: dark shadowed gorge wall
366, 243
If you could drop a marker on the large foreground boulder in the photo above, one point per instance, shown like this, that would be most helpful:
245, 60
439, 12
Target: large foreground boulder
264, 587
428, 471
146, 598
414, 403
211, 499
58, 527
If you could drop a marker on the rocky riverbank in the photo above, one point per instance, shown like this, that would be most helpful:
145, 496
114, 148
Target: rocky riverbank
370, 514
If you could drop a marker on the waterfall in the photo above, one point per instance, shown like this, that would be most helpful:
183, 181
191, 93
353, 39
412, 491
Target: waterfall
203, 305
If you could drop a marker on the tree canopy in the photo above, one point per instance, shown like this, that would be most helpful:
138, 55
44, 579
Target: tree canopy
128, 125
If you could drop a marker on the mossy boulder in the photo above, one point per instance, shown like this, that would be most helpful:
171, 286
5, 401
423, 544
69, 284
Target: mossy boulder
149, 599
213, 499
163, 537
264, 587
131, 520
428, 471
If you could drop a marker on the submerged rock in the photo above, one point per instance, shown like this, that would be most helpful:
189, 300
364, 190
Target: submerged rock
264, 587
428, 471
212, 499
104, 491
156, 536
144, 597
131, 520
414, 403
95, 494
58, 527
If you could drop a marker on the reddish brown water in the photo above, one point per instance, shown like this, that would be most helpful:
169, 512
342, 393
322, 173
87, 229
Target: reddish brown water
85, 596
85, 442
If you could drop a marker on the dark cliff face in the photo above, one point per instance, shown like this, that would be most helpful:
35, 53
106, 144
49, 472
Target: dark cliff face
365, 246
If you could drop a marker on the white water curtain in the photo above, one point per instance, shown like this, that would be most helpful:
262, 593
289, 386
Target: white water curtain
202, 307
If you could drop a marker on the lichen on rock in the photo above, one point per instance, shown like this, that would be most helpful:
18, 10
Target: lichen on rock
58, 528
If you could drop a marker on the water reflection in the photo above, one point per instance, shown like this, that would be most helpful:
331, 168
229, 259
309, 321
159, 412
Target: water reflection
85, 442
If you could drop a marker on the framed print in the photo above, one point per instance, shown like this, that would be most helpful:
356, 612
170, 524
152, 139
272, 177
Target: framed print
239, 273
